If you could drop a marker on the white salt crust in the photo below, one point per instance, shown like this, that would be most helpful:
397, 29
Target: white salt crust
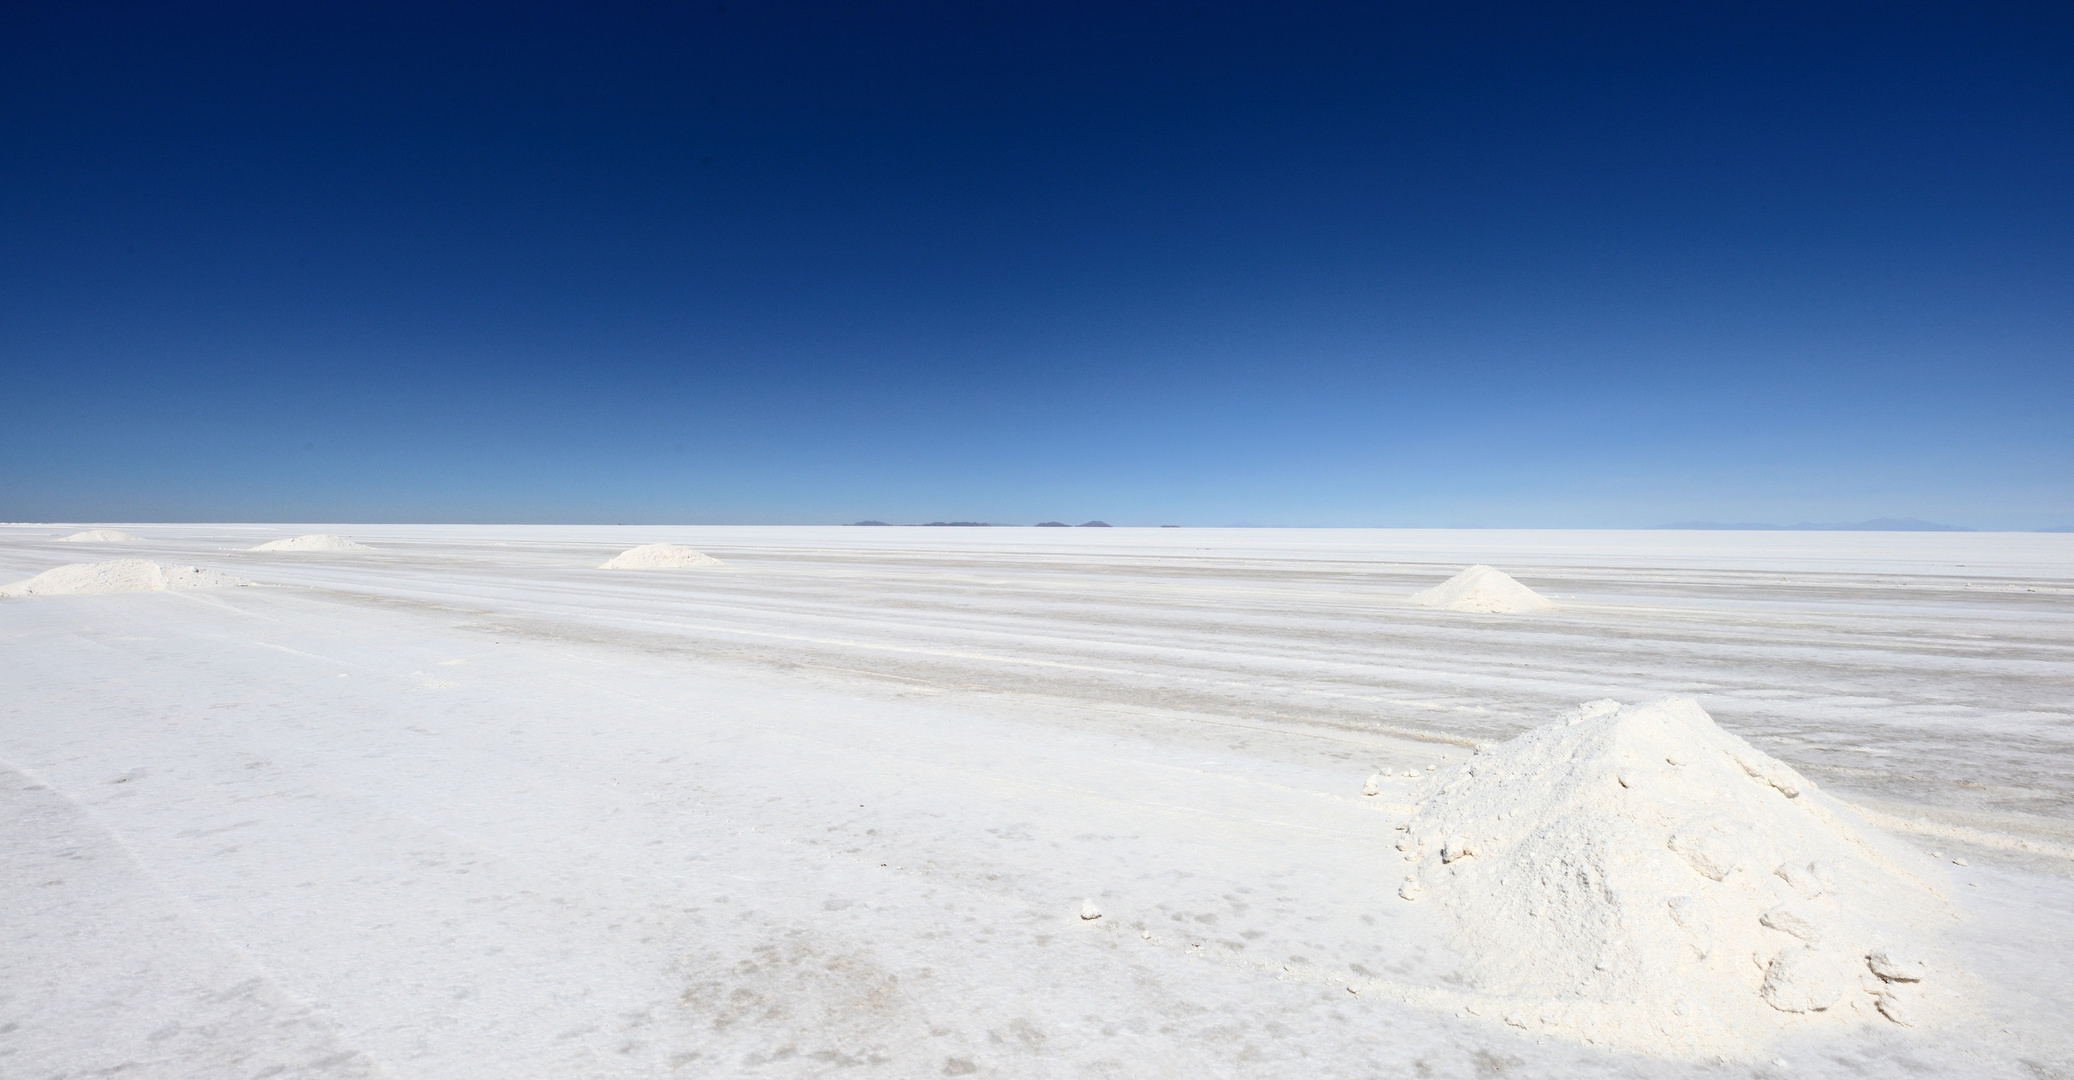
312, 542
119, 576
659, 557
1635, 876
1485, 590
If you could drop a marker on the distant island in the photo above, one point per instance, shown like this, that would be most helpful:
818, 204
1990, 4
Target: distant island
1874, 525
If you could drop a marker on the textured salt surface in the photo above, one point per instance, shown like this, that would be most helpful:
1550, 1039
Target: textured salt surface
108, 974
100, 536
846, 808
1482, 589
658, 557
117, 576
313, 542
1638, 877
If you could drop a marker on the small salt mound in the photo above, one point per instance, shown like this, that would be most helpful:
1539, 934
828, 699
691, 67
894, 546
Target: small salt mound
658, 557
117, 576
100, 536
1641, 878
312, 542
1481, 588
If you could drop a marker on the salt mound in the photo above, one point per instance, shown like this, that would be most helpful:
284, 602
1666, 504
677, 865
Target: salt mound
120, 575
1481, 588
658, 557
1638, 877
100, 536
312, 542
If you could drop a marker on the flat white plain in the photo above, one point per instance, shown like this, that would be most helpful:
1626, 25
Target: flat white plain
464, 805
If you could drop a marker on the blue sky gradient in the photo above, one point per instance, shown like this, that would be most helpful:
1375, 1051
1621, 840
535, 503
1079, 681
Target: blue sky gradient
1202, 264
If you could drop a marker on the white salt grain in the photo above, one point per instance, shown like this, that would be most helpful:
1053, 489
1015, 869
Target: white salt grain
659, 557
1622, 906
1484, 590
312, 542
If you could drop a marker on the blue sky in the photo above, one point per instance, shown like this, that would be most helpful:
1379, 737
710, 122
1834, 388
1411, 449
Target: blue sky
1202, 264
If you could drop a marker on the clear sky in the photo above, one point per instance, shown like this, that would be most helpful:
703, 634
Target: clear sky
1423, 264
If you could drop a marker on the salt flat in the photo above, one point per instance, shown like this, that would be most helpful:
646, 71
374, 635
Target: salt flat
463, 804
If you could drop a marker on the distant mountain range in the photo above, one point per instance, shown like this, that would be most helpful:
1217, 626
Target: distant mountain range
1875, 525
990, 524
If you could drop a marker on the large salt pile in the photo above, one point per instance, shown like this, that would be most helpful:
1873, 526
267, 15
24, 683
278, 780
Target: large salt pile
100, 536
312, 542
658, 557
1638, 877
1481, 588
120, 575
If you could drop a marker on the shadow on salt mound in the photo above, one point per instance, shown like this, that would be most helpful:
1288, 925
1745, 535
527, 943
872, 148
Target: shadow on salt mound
1482, 589
119, 576
312, 542
100, 536
1636, 876
658, 557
